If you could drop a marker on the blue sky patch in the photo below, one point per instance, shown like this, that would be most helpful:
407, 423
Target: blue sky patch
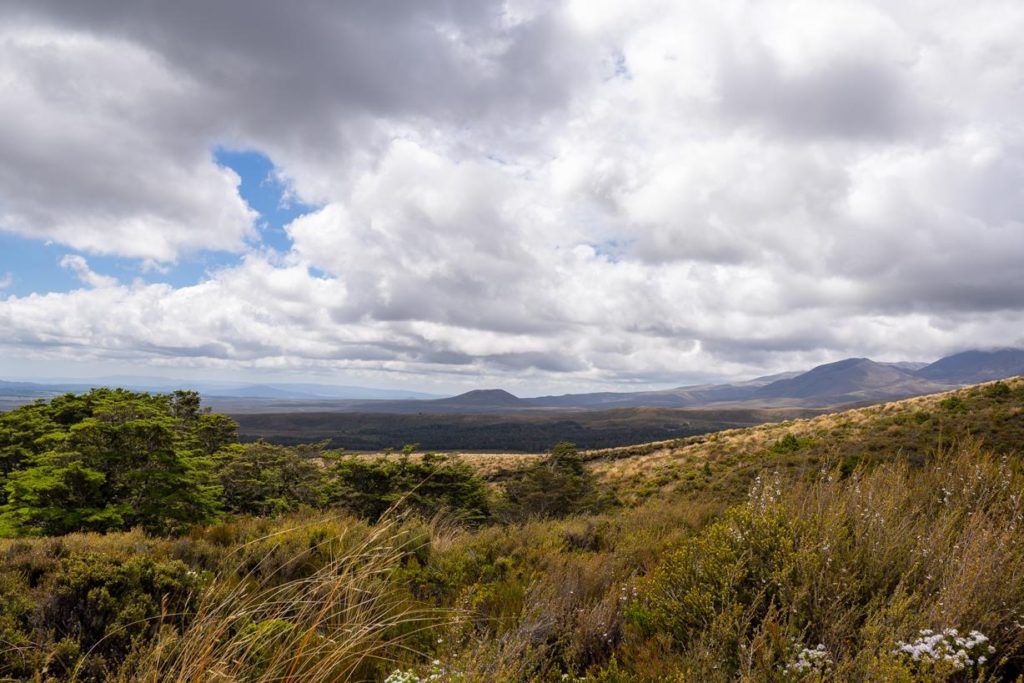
33, 266
263, 189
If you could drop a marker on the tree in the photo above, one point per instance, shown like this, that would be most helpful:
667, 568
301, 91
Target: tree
108, 459
433, 483
558, 485
263, 479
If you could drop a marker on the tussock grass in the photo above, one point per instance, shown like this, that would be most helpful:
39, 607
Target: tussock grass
344, 621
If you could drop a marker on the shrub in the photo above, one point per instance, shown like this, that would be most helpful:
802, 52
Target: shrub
787, 444
556, 486
952, 404
998, 390
432, 484
264, 479
734, 565
107, 607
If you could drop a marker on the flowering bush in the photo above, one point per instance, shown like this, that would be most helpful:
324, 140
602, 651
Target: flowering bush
947, 649
399, 676
808, 661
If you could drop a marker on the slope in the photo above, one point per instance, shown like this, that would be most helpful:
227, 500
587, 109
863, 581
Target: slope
975, 366
722, 465
847, 381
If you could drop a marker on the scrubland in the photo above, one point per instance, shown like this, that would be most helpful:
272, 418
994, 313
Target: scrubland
881, 544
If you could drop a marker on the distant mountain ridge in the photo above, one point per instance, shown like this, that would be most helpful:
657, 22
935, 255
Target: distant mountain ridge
211, 389
970, 367
848, 381
853, 380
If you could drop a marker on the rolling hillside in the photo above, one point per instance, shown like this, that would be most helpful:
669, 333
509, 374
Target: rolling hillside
724, 463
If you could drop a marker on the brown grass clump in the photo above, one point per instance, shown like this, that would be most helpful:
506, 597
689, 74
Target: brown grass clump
344, 621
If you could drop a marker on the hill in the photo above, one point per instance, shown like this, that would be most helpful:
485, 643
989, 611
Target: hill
971, 367
481, 400
723, 464
848, 381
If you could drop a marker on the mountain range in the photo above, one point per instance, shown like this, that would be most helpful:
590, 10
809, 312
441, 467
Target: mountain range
849, 381
845, 382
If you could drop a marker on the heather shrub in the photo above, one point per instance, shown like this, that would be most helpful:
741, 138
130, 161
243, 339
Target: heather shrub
858, 566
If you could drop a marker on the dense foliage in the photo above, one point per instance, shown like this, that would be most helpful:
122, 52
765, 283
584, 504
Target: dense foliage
113, 459
108, 460
558, 485
526, 432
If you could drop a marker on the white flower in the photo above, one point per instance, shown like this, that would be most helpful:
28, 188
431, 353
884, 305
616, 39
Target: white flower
949, 647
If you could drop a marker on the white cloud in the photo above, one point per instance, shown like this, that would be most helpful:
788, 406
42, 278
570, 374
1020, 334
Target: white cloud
589, 193
93, 157
80, 267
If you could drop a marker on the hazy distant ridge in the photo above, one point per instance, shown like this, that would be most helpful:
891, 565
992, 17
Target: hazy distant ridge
847, 381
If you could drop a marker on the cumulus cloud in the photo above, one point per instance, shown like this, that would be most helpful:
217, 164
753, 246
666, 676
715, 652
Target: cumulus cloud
86, 275
582, 193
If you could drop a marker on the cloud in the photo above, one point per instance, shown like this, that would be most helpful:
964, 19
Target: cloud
580, 193
111, 109
6, 280
80, 267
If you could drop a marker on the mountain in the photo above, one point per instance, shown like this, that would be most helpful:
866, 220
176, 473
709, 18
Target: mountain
854, 380
36, 389
476, 401
679, 397
484, 397
975, 366
848, 381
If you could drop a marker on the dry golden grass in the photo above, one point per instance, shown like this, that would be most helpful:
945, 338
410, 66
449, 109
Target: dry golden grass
337, 624
619, 469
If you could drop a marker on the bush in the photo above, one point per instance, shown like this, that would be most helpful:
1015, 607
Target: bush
98, 609
556, 486
998, 391
735, 565
787, 444
432, 484
264, 479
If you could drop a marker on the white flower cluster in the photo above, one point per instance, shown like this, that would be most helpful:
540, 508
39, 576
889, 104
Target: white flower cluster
399, 676
810, 660
948, 647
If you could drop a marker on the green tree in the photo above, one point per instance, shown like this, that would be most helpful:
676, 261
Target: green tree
263, 479
433, 483
558, 485
104, 460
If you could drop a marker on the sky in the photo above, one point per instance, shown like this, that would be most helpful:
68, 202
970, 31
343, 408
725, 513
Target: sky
542, 196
